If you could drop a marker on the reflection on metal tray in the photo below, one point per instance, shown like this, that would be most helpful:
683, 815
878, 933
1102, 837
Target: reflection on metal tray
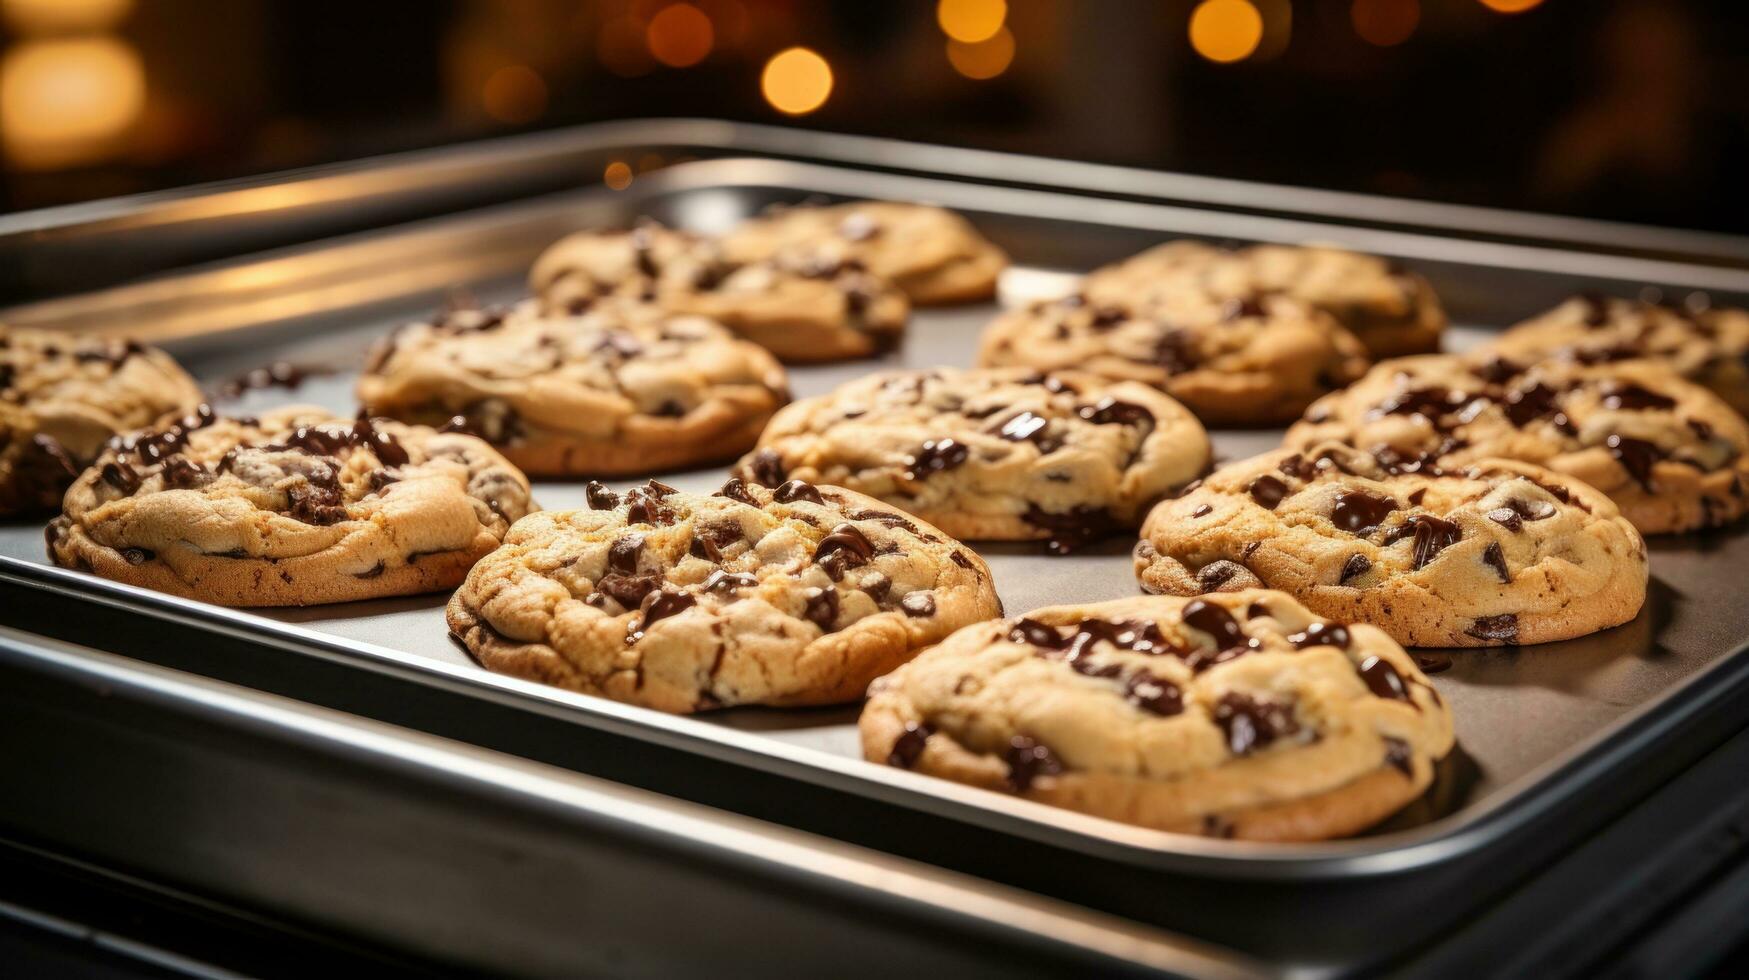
1546, 731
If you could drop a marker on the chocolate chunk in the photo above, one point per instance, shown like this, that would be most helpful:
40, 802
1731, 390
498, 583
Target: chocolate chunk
1507, 518
1257, 610
1526, 405
1268, 491
182, 473
1153, 694
1358, 512
937, 456
120, 476
1240, 307
1217, 622
659, 488
1035, 633
1321, 635
315, 504
1216, 574
645, 506
1534, 510
628, 590
1202, 511
658, 605
737, 491
1500, 629
1137, 636
722, 581
795, 490
959, 558
845, 548
908, 747
876, 585
137, 556
1430, 403
599, 497
1637, 456
821, 608
1432, 536
1432, 663
1024, 427
884, 517
1251, 724
918, 605
1417, 496
766, 467
622, 555
1496, 559
1632, 397
1398, 757
1110, 411
1497, 370
1027, 760
1073, 530
366, 434
1174, 352
375, 571
1356, 566
1383, 679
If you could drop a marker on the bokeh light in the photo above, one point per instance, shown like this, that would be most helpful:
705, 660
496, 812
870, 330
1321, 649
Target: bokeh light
971, 21
1510, 6
1225, 30
66, 101
985, 59
53, 16
622, 49
617, 176
514, 94
1385, 22
796, 81
680, 35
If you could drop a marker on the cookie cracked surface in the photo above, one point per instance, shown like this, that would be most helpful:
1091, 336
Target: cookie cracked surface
1500, 553
1392, 310
295, 508
1254, 361
1004, 454
802, 308
681, 602
1707, 346
932, 254
63, 395
1670, 453
1233, 715
611, 391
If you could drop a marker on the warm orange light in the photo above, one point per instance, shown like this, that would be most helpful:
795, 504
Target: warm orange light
49, 16
680, 36
68, 101
986, 59
1385, 22
622, 49
617, 176
1510, 6
514, 94
796, 81
728, 21
971, 21
1225, 30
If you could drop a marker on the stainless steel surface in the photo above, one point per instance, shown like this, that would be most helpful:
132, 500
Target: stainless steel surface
1524, 714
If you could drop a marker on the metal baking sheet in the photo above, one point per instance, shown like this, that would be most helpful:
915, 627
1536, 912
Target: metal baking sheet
1535, 724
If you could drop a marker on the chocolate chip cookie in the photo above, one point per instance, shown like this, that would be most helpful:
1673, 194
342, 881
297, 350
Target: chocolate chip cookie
292, 509
1499, 553
1392, 310
801, 308
1233, 715
1709, 346
1671, 454
681, 602
1234, 362
62, 396
932, 254
1003, 454
615, 390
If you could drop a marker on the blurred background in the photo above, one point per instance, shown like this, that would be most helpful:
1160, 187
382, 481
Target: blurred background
1626, 109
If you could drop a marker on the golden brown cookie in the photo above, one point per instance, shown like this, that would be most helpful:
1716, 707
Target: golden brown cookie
1233, 715
63, 395
1499, 553
292, 509
1000, 454
1232, 362
682, 602
612, 391
1670, 453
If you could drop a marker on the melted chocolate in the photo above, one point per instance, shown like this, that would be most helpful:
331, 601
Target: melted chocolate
644, 505
182, 473
1174, 352
1268, 491
1110, 411
1027, 760
1383, 679
1499, 629
628, 590
1076, 529
845, 548
622, 555
795, 490
599, 497
1202, 511
1358, 512
1432, 536
737, 491
1218, 623
1526, 405
657, 606
766, 467
1496, 559
822, 608
137, 556
1637, 456
1432, 663
1251, 724
723, 582
1153, 694
1321, 635
908, 747
120, 476
937, 456
1632, 397
918, 605
1356, 566
279, 374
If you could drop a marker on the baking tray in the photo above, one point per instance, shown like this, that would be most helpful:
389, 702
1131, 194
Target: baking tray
1554, 737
